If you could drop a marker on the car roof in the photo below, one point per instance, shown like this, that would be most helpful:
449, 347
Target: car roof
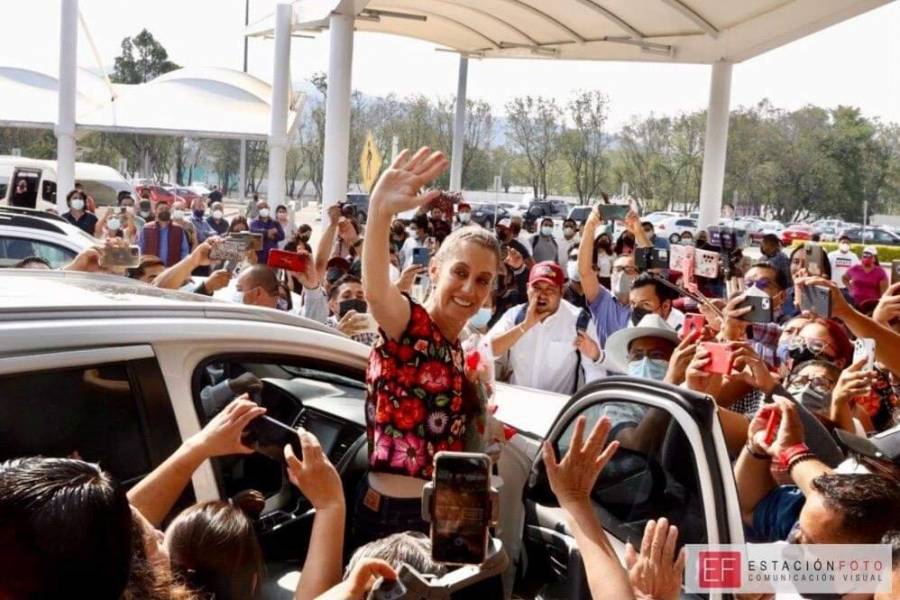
32, 294
27, 218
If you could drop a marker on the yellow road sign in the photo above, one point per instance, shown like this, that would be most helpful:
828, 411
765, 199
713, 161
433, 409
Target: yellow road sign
369, 163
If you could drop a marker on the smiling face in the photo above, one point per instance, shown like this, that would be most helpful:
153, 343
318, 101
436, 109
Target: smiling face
463, 278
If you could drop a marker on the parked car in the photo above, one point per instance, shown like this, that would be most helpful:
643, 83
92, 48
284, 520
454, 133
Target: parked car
873, 235
758, 230
580, 213
797, 231
102, 183
360, 204
157, 194
660, 215
25, 232
538, 209
186, 194
673, 227
483, 214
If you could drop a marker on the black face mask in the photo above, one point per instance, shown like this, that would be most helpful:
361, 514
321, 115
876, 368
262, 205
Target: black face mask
637, 314
798, 356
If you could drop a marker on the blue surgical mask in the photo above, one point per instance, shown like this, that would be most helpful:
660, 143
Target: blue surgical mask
648, 368
480, 319
782, 353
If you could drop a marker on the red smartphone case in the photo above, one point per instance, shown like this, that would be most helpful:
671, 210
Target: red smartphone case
281, 259
720, 358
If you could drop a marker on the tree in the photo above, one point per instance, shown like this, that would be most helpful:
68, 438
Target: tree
534, 128
583, 146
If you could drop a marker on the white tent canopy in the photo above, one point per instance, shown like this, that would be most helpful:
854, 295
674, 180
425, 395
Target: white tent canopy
200, 102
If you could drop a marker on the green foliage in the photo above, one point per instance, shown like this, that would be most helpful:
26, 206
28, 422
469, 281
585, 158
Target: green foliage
142, 59
885, 253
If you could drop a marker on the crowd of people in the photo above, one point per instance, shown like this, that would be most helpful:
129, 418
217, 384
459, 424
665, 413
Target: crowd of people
548, 310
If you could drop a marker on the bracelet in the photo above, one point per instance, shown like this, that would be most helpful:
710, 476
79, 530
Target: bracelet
521, 328
754, 453
798, 459
788, 454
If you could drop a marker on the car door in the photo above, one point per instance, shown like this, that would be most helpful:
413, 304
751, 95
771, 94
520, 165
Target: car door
672, 462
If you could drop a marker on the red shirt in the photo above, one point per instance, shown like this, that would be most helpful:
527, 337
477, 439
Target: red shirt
418, 400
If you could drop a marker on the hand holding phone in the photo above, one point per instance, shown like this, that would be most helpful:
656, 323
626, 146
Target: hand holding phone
721, 358
120, 255
613, 212
864, 348
816, 299
762, 310
692, 323
815, 260
421, 256
291, 261
460, 507
269, 437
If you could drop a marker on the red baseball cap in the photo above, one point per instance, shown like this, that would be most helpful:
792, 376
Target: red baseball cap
547, 271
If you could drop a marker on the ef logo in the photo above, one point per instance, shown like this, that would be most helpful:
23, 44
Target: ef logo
719, 569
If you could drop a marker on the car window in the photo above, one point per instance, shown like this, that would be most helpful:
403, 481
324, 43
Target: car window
85, 412
652, 475
14, 249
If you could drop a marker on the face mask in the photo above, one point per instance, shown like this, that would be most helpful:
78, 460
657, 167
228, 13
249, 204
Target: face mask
783, 353
548, 231
572, 270
145, 213
648, 368
809, 398
480, 319
568, 232
621, 284
178, 214
687, 242
164, 216
199, 213
637, 314
464, 217
867, 261
217, 214
281, 304
797, 356
844, 247
237, 297
113, 224
264, 213
77, 204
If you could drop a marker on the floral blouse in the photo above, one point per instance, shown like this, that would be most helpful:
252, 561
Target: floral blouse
418, 401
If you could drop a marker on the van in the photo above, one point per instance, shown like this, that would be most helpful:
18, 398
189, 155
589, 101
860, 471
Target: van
100, 182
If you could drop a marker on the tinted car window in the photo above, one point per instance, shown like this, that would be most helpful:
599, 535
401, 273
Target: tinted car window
13, 249
646, 478
86, 412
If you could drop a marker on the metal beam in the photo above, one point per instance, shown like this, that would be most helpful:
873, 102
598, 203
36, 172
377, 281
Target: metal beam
487, 15
694, 16
613, 17
457, 23
577, 36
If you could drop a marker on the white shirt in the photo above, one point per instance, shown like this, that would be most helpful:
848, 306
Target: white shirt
525, 239
840, 262
314, 305
545, 357
565, 246
406, 251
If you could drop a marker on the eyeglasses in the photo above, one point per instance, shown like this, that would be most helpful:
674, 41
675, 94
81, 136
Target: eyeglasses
634, 355
762, 283
820, 385
815, 345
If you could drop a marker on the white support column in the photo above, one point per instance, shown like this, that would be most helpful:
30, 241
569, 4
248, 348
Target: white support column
459, 126
337, 110
715, 145
242, 172
278, 140
65, 121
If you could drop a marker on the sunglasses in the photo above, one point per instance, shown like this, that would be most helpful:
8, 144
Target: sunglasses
762, 283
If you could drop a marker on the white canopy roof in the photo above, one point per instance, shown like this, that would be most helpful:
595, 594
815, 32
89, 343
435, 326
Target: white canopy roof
200, 102
684, 31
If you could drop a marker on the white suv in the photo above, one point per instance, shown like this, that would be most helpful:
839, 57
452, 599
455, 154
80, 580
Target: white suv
25, 232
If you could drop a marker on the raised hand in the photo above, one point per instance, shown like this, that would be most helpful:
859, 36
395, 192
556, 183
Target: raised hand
222, 435
398, 189
313, 473
572, 478
656, 573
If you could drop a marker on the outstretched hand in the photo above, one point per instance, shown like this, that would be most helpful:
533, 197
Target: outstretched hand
398, 189
222, 435
572, 478
656, 573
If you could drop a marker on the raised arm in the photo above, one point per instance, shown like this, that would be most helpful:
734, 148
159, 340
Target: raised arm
504, 334
157, 493
397, 190
572, 480
326, 240
175, 276
589, 282
319, 482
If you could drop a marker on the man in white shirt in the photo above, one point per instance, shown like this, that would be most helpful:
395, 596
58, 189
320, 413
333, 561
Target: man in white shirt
570, 240
546, 348
841, 260
418, 238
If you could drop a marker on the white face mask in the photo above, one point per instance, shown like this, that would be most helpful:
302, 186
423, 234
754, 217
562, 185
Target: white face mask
77, 204
113, 224
568, 232
545, 230
237, 296
264, 213
217, 214
572, 270
464, 217
178, 214
145, 213
844, 247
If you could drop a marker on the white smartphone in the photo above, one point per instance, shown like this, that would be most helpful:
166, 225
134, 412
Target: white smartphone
864, 348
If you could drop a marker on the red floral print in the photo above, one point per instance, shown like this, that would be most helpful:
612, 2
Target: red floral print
410, 413
434, 377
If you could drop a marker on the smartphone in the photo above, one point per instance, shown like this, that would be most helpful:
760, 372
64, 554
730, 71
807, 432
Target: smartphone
721, 358
345, 306
817, 299
421, 256
254, 240
895, 271
772, 423
584, 318
282, 259
127, 256
230, 249
864, 348
651, 258
815, 260
613, 212
692, 323
269, 437
761, 304
460, 508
